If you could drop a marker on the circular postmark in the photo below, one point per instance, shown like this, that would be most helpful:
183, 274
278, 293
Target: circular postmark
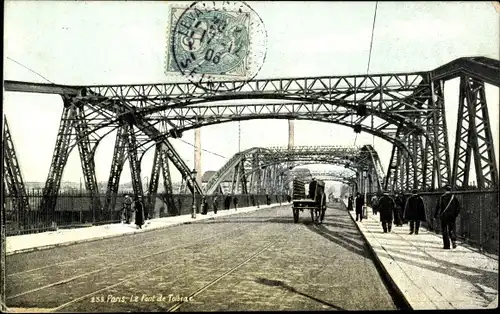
216, 45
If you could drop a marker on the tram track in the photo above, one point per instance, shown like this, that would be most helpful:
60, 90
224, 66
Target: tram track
86, 274
258, 252
87, 257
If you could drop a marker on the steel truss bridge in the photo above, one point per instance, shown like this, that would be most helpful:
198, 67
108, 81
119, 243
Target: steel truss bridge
406, 109
265, 170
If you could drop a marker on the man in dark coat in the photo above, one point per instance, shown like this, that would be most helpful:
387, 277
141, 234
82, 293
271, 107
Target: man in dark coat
447, 210
139, 212
398, 213
360, 201
204, 206
235, 202
414, 211
349, 203
386, 207
227, 202
215, 204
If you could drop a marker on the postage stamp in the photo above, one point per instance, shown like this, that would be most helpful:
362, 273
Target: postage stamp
212, 42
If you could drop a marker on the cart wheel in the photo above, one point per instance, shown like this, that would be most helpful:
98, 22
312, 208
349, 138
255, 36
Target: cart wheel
295, 215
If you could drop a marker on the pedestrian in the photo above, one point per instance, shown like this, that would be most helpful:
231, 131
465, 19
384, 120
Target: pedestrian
139, 212
268, 199
374, 203
127, 208
360, 201
215, 204
447, 210
386, 208
204, 206
235, 202
227, 202
349, 203
414, 211
398, 213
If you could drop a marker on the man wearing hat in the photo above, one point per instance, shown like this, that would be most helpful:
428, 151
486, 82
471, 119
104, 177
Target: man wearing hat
447, 210
386, 207
127, 208
414, 211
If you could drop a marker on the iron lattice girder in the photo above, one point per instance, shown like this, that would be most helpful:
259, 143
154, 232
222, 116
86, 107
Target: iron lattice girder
190, 117
154, 134
119, 156
439, 135
337, 154
473, 137
478, 68
194, 116
359, 88
340, 176
255, 159
160, 163
112, 111
73, 130
12, 173
346, 90
485, 69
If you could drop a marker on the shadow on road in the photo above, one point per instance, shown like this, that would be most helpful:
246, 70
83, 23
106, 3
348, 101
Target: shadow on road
281, 284
341, 238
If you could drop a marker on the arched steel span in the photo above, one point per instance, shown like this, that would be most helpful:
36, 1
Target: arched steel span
124, 102
251, 162
383, 92
283, 166
339, 176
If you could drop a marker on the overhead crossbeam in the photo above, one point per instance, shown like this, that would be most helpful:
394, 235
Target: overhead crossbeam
477, 68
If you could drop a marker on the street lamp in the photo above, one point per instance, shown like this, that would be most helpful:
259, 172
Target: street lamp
193, 209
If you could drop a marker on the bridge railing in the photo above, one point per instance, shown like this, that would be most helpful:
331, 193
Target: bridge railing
74, 209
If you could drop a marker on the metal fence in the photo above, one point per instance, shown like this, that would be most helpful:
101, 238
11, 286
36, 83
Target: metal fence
477, 223
75, 209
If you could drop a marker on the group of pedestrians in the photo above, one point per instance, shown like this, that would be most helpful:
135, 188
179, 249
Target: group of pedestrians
136, 206
399, 211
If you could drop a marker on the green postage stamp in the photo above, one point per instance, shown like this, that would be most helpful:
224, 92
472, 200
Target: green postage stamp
215, 41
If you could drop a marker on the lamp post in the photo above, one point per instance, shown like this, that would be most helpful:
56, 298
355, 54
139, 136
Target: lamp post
281, 187
193, 209
147, 199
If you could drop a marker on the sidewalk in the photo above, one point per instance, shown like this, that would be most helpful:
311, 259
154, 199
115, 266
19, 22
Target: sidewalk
428, 276
45, 240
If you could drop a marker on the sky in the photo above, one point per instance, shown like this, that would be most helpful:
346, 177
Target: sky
118, 42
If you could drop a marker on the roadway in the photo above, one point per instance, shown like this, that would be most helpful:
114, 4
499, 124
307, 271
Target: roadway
254, 261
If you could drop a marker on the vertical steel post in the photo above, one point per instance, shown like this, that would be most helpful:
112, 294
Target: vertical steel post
193, 209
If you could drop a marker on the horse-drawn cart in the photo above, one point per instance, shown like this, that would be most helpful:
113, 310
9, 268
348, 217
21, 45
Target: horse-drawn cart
316, 202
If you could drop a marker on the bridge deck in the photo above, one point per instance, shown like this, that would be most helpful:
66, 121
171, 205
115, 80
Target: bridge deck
259, 260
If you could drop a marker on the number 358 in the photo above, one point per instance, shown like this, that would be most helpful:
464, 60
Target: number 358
97, 299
